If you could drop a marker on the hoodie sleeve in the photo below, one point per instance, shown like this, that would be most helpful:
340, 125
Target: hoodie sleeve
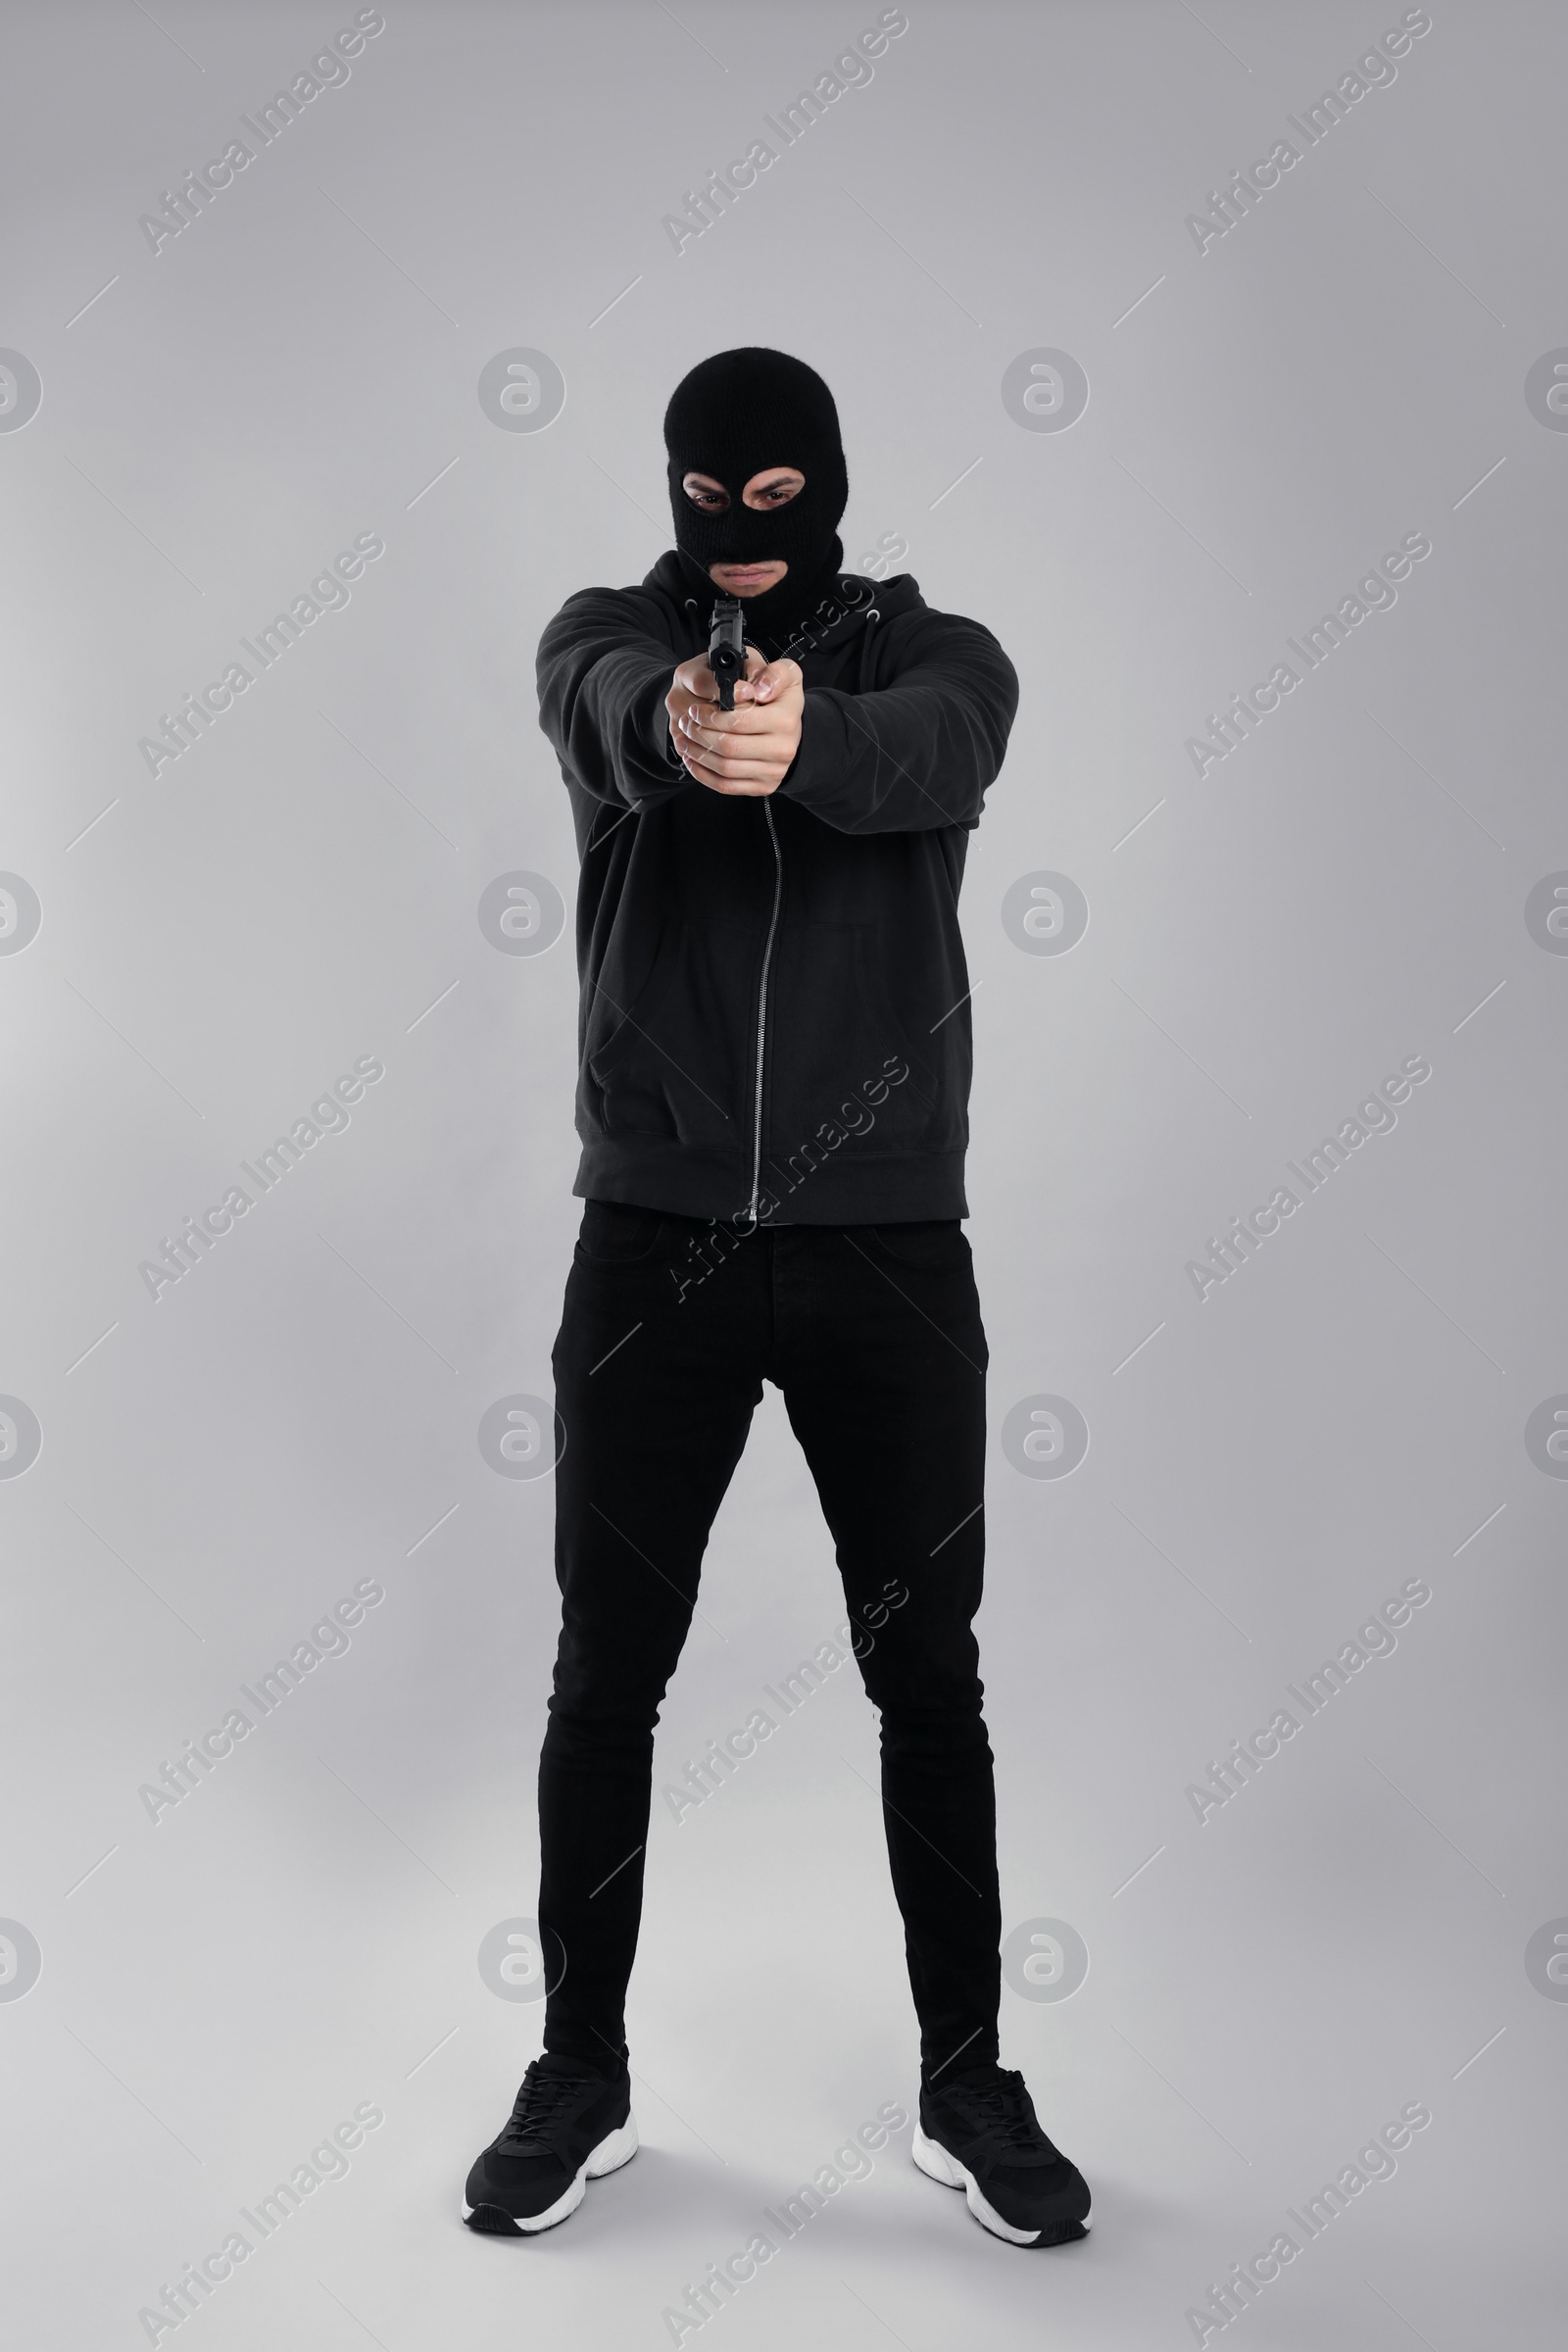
919, 753
603, 670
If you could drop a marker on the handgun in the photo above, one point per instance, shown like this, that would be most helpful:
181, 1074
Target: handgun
726, 648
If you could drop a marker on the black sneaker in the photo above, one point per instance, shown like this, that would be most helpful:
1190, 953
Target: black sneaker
980, 2134
569, 2123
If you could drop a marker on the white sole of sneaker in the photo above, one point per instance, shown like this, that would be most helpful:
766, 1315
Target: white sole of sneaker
934, 2160
617, 2148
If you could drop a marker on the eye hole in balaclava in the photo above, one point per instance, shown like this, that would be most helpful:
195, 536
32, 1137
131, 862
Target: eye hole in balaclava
736, 414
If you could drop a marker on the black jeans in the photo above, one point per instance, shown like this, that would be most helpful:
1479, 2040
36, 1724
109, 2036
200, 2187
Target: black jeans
873, 1333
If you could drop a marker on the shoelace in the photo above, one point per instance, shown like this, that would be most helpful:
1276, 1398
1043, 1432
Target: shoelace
537, 2105
1003, 2108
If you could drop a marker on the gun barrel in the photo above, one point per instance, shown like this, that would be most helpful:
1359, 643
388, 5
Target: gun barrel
726, 648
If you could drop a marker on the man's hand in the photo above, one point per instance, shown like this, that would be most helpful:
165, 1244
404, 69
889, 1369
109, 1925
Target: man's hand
749, 749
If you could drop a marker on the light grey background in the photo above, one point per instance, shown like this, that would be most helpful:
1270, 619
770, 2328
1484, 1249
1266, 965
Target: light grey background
1265, 420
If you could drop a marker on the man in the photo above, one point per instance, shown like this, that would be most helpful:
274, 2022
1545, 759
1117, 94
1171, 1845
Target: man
775, 1051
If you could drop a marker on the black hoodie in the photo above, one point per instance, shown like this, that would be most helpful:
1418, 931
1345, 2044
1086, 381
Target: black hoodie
774, 1018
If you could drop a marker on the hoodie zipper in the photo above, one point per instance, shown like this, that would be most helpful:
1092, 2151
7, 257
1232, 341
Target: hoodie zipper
761, 1014
872, 617
761, 1001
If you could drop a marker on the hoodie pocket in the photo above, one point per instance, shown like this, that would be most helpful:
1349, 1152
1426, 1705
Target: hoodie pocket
669, 1065
848, 1065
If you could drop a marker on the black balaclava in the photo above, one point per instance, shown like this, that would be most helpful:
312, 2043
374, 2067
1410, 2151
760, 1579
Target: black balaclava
734, 415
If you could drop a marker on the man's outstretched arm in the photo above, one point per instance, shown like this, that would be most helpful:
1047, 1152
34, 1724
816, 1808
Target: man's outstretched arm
601, 688
916, 754
903, 759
